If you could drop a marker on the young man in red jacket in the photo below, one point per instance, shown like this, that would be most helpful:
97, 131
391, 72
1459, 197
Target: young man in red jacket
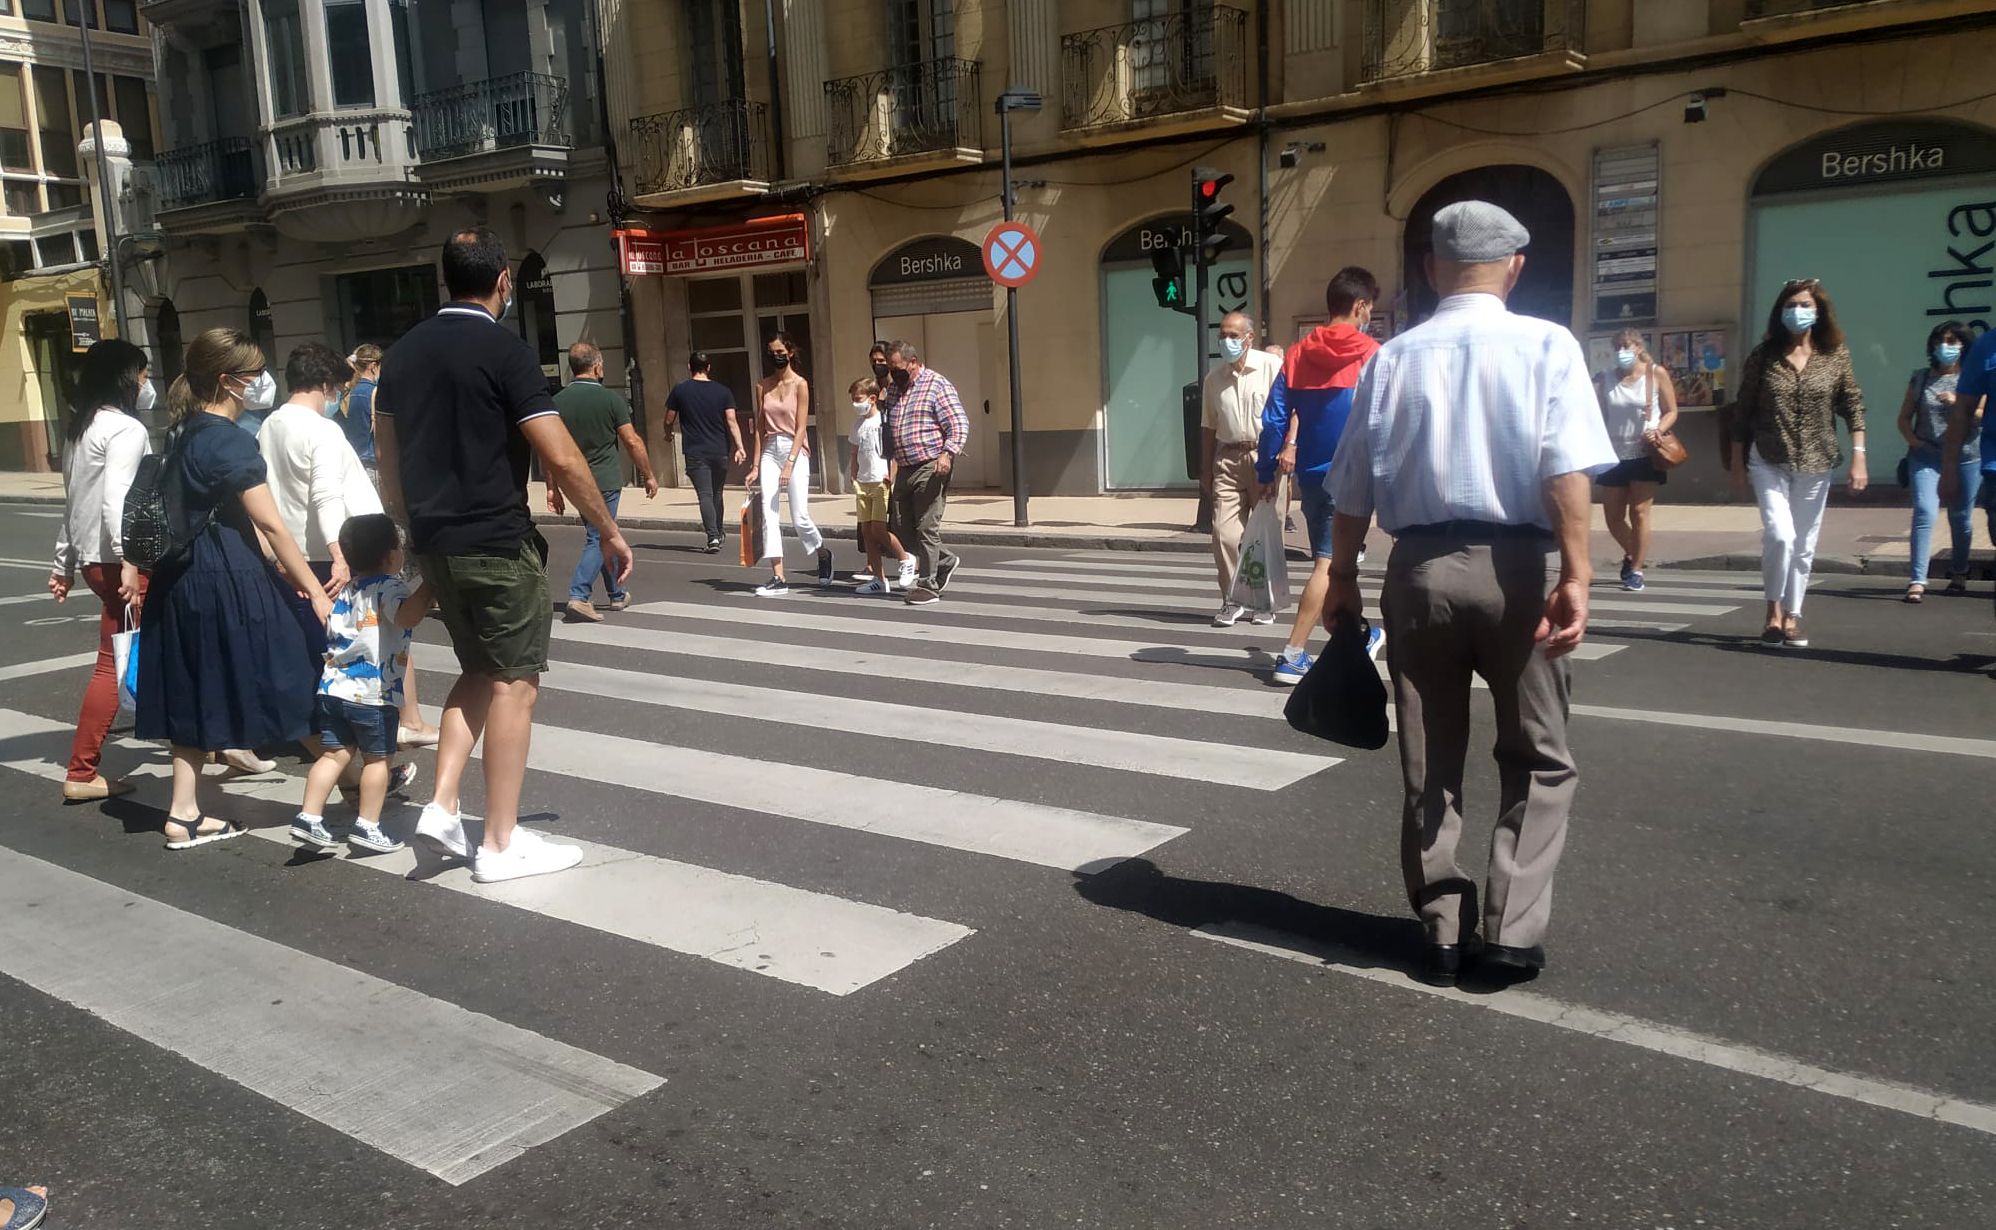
1300, 429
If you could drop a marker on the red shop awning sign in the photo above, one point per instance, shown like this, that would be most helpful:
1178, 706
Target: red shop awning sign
759, 241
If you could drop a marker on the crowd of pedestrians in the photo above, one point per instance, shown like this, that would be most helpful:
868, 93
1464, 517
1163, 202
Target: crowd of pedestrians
388, 488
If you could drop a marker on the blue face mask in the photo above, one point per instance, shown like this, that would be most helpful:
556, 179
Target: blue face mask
1947, 354
1799, 319
1233, 347
1625, 359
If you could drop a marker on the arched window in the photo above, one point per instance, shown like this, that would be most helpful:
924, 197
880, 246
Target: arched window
1532, 196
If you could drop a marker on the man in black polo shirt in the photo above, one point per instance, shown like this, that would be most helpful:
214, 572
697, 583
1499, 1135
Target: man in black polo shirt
461, 406
704, 411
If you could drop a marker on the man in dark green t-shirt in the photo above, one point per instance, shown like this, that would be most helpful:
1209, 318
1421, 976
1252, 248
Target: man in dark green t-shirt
600, 421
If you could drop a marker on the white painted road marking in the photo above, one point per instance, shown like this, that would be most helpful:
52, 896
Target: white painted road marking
902, 625
1628, 1030
452, 1092
48, 666
897, 664
1229, 764
1949, 745
811, 939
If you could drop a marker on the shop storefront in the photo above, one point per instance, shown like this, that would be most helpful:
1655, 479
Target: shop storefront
726, 291
1922, 194
1148, 352
933, 292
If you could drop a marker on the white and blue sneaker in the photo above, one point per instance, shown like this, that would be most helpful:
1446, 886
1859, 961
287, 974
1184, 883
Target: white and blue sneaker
1632, 581
1373, 640
1292, 666
311, 831
367, 835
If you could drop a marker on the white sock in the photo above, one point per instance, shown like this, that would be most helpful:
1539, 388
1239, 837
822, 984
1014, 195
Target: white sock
308, 820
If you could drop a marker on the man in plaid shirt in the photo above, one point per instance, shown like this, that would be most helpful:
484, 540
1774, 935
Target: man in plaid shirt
930, 429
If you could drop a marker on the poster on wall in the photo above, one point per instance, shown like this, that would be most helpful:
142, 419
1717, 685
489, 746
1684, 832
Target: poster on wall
1625, 234
1695, 358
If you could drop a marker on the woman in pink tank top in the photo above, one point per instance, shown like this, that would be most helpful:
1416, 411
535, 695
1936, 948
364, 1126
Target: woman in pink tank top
782, 448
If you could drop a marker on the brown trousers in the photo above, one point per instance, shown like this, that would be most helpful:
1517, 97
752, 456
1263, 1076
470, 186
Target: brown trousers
1235, 488
1454, 608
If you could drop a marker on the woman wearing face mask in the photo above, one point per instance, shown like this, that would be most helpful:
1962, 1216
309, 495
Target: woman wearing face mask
1793, 388
103, 442
1923, 421
222, 663
782, 447
1640, 403
258, 401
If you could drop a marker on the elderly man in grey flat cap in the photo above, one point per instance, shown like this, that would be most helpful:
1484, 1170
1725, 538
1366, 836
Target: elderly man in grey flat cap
1473, 438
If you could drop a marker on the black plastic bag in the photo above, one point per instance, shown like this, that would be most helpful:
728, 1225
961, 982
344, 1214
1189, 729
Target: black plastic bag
1342, 698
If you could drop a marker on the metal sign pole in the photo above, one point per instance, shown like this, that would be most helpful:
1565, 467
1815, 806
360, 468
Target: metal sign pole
1019, 492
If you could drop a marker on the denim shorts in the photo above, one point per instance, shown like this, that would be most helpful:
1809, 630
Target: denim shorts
367, 729
1317, 512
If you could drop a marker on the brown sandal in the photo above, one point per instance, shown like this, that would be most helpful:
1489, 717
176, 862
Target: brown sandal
1916, 592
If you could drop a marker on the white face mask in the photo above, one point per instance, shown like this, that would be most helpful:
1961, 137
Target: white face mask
261, 393
1625, 359
147, 398
862, 407
1233, 347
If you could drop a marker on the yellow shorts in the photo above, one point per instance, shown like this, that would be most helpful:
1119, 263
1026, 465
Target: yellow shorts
870, 502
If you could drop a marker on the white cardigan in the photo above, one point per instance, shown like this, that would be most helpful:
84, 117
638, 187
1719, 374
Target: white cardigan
96, 475
315, 477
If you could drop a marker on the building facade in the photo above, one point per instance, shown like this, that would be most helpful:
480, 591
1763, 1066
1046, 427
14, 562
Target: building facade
834, 177
53, 294
318, 152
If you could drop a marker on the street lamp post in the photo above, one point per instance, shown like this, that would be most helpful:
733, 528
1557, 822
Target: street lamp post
110, 220
1011, 100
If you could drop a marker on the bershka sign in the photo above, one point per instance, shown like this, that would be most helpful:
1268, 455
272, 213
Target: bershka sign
1881, 152
940, 258
759, 241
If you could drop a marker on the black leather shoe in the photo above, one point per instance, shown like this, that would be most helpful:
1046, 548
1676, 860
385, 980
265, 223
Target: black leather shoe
1441, 965
1533, 958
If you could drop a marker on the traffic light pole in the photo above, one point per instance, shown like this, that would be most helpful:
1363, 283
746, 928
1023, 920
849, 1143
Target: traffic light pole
1202, 519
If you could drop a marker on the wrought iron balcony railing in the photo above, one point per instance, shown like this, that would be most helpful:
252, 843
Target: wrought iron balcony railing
1188, 61
499, 113
714, 144
908, 109
202, 174
1404, 37
1756, 9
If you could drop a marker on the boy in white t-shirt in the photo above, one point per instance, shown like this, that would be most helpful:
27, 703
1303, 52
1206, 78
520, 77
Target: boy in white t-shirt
872, 478
360, 692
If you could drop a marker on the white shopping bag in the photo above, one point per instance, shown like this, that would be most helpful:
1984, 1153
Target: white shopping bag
125, 651
1261, 583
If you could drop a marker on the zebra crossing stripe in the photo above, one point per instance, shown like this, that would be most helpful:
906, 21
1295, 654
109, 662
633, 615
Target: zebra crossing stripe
1111, 689
901, 623
1228, 764
1206, 588
449, 1091
794, 935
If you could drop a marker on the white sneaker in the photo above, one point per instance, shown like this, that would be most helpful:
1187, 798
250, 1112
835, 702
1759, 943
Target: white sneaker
533, 856
907, 577
874, 586
1228, 616
1261, 617
442, 832
775, 587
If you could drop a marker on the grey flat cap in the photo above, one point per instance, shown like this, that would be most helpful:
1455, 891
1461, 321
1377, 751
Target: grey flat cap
1473, 232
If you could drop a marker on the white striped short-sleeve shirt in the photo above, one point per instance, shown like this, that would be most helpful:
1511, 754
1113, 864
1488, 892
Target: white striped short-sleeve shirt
1464, 418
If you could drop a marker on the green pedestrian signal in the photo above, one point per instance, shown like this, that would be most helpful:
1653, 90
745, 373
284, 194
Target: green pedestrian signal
1169, 284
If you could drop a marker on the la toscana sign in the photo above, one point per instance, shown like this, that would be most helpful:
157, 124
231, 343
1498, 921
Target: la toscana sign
759, 241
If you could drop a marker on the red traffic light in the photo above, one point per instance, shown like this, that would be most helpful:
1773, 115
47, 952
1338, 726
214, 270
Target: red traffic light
1210, 189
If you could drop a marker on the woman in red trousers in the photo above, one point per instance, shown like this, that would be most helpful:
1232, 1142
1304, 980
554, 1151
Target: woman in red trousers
103, 443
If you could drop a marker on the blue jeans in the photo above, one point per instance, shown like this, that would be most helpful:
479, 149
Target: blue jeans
591, 565
1923, 466
1317, 512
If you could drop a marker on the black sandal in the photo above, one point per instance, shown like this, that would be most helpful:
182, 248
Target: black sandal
197, 836
1916, 592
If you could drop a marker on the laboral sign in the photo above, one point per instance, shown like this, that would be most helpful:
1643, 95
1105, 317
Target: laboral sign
759, 241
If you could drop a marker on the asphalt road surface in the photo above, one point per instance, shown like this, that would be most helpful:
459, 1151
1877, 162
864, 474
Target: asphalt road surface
1027, 910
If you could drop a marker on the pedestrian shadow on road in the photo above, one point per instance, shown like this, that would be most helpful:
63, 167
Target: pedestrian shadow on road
1959, 664
1256, 660
1368, 941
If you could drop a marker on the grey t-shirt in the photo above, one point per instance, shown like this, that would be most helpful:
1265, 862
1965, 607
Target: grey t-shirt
1930, 415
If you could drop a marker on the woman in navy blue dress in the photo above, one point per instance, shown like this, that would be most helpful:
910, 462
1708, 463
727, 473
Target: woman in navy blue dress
222, 661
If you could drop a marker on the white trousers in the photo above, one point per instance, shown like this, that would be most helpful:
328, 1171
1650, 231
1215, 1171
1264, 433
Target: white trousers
769, 481
1791, 518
